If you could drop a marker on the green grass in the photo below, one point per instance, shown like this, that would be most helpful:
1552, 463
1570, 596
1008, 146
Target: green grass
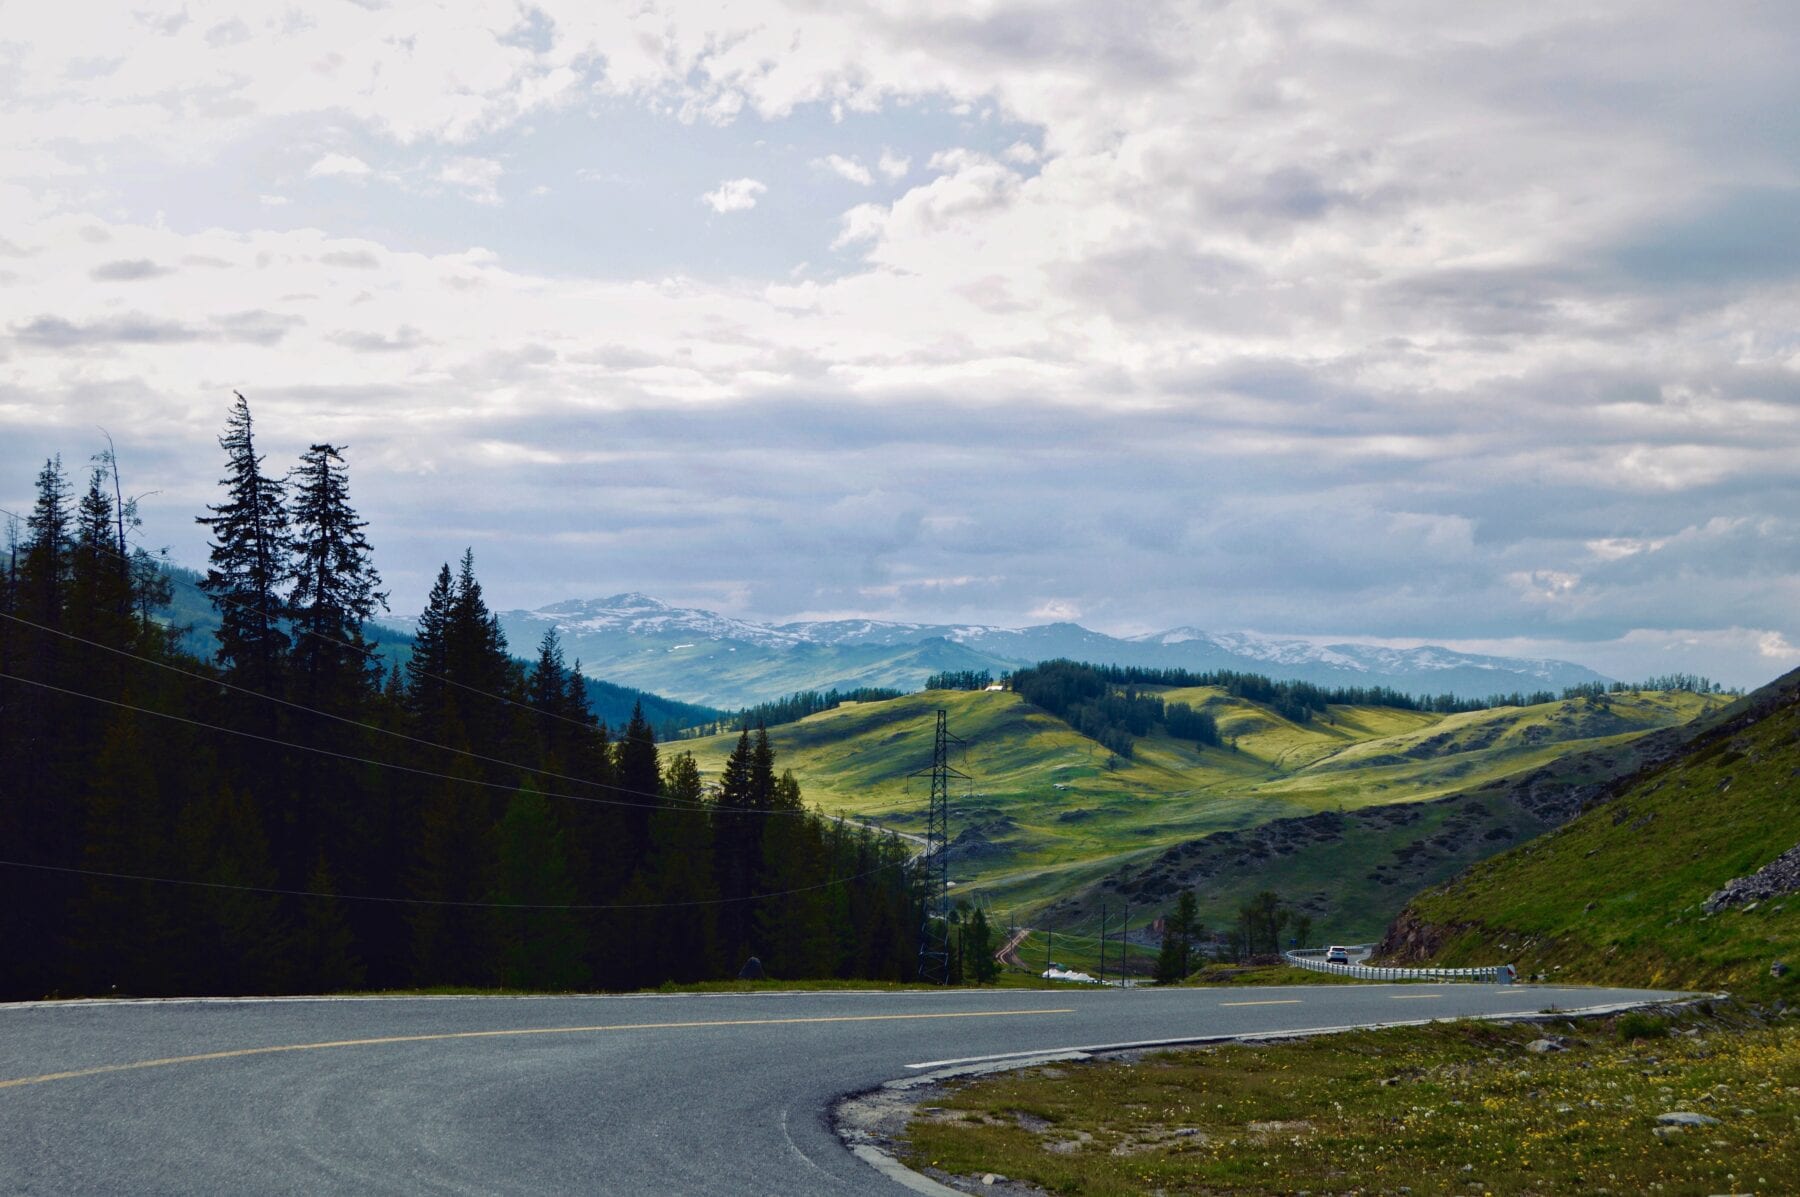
1616, 894
1451, 1108
1057, 812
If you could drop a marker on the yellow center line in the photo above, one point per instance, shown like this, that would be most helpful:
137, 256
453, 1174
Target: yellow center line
1269, 1002
623, 1026
1413, 997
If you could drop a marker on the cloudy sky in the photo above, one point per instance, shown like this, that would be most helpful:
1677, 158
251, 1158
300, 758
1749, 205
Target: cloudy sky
1470, 324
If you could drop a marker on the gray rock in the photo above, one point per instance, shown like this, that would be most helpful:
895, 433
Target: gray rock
1685, 1118
1541, 1046
1779, 877
1778, 969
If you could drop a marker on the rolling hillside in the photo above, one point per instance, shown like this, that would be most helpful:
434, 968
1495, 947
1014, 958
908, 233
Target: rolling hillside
1047, 812
1620, 893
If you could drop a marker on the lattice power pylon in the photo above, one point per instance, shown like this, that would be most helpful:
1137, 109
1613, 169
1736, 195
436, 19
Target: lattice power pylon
934, 931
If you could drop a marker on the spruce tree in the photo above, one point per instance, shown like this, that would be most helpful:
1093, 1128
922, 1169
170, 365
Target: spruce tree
685, 926
428, 691
40, 823
335, 592
792, 917
640, 778
44, 572
250, 563
100, 599
738, 848
124, 930
335, 587
325, 955
235, 936
539, 942
1180, 927
981, 967
548, 694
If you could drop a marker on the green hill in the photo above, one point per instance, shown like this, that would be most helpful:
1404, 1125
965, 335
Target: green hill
1047, 812
1617, 894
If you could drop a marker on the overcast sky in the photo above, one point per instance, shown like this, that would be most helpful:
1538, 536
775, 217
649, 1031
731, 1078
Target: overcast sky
1469, 324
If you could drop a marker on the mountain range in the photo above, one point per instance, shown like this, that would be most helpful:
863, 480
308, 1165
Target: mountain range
703, 656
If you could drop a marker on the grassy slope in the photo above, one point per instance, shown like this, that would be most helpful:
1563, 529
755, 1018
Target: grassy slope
1049, 811
1615, 895
1449, 1109
1353, 871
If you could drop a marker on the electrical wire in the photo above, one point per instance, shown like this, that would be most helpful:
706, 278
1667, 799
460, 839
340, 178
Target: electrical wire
345, 719
311, 893
363, 760
364, 650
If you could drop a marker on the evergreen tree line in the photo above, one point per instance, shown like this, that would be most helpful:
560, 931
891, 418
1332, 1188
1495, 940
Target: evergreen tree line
1085, 698
1689, 682
960, 679
1103, 703
289, 816
791, 709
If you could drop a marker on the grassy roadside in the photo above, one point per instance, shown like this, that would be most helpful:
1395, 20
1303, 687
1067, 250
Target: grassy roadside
1463, 1107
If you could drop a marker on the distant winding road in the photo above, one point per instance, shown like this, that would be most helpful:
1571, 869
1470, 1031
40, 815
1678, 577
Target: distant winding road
701, 1094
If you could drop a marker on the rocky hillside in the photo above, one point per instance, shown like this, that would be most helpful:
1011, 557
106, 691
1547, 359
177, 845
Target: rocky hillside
1678, 875
1352, 871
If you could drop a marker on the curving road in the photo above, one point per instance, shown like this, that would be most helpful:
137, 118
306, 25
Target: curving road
702, 1094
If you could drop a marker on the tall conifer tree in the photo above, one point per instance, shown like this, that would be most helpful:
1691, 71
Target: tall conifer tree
251, 561
335, 586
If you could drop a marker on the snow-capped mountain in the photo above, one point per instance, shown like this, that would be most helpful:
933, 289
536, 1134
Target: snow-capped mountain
639, 615
702, 656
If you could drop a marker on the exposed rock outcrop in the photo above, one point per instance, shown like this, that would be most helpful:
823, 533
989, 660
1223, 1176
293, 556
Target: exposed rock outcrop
1779, 877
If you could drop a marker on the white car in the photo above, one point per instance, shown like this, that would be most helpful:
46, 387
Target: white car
1337, 955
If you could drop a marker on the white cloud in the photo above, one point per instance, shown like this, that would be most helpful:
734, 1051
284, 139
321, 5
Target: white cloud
476, 178
861, 223
339, 166
734, 195
1546, 585
893, 165
1056, 610
850, 169
1182, 283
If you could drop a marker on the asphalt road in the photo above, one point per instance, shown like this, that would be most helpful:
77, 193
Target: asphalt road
702, 1094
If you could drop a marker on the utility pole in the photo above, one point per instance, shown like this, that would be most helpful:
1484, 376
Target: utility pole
1125, 944
1103, 943
934, 930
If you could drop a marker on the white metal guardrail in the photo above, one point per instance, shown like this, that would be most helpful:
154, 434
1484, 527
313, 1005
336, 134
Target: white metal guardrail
1314, 960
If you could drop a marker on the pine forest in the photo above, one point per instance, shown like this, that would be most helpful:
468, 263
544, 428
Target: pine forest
287, 815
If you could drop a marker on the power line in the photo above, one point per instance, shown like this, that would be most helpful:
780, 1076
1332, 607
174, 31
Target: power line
363, 760
201, 677
313, 893
364, 650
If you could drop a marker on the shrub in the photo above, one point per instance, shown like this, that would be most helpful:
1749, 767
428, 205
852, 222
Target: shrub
1642, 1026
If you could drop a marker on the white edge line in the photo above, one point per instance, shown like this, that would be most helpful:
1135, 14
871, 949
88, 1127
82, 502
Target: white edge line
1296, 1033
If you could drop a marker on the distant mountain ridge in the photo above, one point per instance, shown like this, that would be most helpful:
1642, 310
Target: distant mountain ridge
702, 656
191, 613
